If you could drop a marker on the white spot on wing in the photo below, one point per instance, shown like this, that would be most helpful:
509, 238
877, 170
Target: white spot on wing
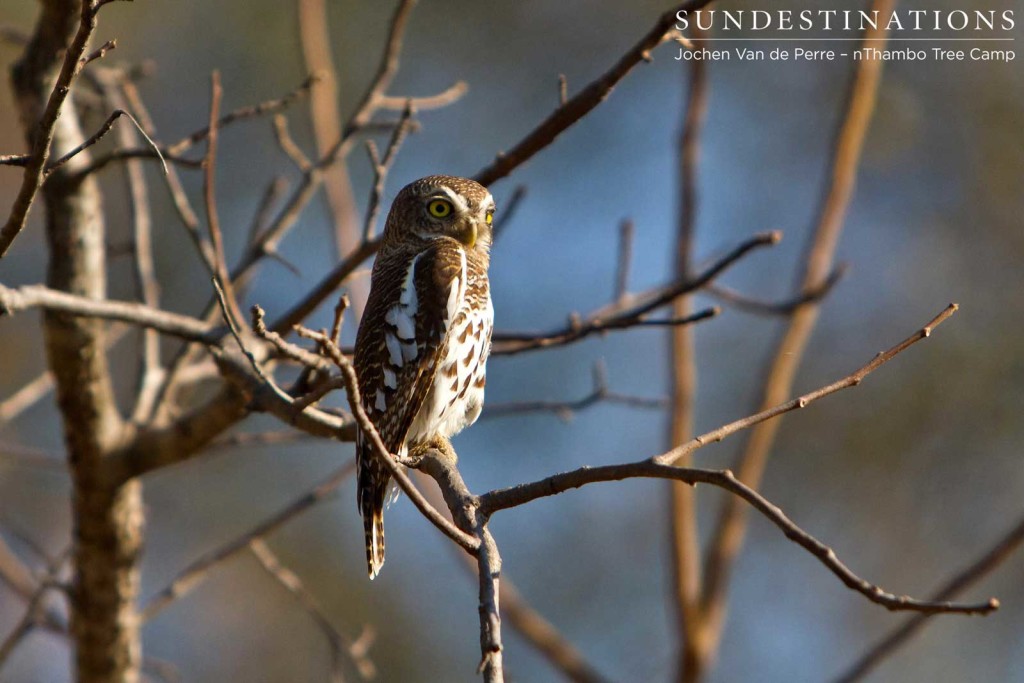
399, 317
410, 350
394, 349
390, 379
408, 296
379, 404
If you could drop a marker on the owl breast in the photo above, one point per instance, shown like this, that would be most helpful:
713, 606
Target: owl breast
457, 395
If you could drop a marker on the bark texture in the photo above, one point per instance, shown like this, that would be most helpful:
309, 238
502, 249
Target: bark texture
108, 516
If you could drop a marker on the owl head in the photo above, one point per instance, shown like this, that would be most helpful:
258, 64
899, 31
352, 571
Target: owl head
438, 207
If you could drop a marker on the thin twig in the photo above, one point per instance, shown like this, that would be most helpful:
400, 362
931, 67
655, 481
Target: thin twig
565, 410
381, 166
446, 97
616, 317
291, 582
25, 397
242, 113
339, 317
330, 350
509, 343
287, 144
99, 53
851, 380
147, 289
749, 304
624, 262
979, 569
508, 211
439, 463
35, 608
44, 130
173, 151
39, 387
188, 578
210, 199
98, 135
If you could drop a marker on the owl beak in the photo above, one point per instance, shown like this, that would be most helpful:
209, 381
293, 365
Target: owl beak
468, 233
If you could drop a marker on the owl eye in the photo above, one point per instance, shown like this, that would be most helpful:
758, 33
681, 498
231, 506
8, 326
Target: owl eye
439, 208
490, 217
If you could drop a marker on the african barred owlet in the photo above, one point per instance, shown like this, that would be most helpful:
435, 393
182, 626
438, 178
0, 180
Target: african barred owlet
425, 335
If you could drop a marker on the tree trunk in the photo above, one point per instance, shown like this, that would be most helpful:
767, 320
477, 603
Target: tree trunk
107, 517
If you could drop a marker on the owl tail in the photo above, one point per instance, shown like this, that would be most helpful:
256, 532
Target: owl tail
371, 506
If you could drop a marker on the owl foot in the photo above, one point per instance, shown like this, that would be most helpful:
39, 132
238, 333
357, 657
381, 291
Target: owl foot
441, 445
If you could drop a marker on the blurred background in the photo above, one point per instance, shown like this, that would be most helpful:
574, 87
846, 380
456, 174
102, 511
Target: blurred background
909, 477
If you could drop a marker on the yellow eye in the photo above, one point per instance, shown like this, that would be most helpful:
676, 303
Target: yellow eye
439, 208
490, 217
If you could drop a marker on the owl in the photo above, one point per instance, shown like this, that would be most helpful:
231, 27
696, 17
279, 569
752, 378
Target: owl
425, 335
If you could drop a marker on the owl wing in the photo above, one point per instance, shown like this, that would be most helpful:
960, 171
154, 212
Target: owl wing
416, 337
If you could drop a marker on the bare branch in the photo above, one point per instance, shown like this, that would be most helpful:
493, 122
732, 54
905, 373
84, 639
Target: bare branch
37, 296
386, 69
516, 496
271, 196
106, 536
528, 622
584, 101
325, 288
439, 463
663, 466
173, 151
